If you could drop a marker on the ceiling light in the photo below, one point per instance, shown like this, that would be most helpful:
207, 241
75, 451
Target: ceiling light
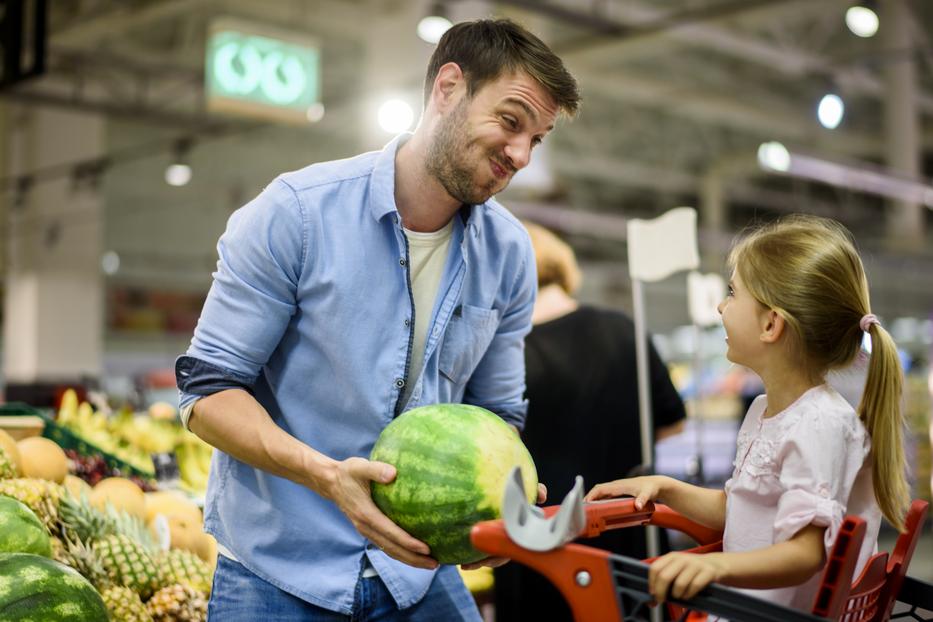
862, 21
110, 262
178, 173
774, 156
395, 116
830, 111
315, 112
432, 27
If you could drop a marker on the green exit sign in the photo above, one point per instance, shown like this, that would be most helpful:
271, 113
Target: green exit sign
265, 73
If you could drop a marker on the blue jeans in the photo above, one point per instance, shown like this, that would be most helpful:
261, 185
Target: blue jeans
240, 596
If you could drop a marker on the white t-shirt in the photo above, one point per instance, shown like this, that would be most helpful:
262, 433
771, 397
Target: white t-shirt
427, 256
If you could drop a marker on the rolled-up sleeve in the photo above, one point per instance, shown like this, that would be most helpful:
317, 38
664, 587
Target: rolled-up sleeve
817, 474
498, 383
252, 299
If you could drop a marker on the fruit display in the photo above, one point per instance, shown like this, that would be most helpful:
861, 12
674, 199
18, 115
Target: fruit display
94, 468
39, 495
104, 532
21, 531
122, 443
33, 587
452, 463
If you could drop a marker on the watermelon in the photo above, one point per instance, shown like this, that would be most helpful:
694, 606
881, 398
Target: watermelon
33, 587
452, 462
21, 531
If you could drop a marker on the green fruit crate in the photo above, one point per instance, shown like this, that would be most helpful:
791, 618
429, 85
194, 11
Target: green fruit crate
66, 439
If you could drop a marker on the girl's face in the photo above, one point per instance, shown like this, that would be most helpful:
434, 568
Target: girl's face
744, 319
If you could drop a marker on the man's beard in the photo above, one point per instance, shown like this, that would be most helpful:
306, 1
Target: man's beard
447, 159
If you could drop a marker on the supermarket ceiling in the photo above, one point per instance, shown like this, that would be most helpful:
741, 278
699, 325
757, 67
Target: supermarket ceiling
678, 97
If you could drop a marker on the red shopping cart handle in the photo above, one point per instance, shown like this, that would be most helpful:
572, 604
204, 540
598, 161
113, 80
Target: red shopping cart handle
618, 513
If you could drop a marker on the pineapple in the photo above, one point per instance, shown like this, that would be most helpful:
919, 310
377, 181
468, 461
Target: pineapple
177, 603
82, 521
127, 563
8, 469
124, 605
59, 550
41, 496
181, 566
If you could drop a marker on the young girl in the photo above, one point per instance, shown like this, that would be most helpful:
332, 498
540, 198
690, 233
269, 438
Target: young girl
797, 307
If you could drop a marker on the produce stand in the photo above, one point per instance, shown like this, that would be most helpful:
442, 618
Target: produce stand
68, 440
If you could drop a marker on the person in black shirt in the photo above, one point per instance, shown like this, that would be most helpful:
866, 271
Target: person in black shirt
582, 413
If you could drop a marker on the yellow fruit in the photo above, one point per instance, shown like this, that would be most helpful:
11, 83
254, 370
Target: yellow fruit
42, 459
162, 410
122, 494
206, 549
168, 502
11, 450
76, 486
184, 532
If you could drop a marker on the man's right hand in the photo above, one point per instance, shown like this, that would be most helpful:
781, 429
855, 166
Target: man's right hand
350, 490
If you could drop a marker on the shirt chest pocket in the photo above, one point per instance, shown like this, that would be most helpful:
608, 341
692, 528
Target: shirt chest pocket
468, 334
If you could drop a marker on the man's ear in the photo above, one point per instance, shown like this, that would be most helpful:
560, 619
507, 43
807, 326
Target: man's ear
447, 85
772, 326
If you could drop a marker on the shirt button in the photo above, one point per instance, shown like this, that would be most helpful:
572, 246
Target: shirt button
402, 262
407, 322
399, 383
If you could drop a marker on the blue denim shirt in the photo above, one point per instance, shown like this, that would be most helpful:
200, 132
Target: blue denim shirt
311, 311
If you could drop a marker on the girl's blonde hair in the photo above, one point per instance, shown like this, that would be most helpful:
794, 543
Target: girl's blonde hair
554, 259
807, 270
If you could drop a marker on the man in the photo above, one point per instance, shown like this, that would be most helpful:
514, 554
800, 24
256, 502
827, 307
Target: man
346, 293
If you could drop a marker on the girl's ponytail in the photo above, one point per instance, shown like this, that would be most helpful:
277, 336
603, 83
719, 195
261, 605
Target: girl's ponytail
880, 412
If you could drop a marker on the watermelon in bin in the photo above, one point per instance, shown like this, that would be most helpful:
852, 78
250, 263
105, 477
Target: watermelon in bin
452, 462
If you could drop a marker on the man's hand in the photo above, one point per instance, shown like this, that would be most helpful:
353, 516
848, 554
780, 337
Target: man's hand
350, 490
495, 562
683, 575
644, 489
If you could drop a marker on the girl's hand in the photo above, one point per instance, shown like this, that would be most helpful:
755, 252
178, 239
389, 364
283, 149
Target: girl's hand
683, 575
644, 489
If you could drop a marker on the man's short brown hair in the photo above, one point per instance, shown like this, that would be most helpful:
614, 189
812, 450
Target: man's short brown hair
485, 49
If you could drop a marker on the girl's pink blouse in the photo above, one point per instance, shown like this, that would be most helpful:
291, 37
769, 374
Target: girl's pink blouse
808, 464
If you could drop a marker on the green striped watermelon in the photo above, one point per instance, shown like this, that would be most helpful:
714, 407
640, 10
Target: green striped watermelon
21, 531
33, 587
452, 462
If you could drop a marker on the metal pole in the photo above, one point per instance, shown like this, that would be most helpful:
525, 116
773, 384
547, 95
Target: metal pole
644, 399
698, 474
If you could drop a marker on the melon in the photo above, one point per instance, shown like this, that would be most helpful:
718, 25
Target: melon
21, 531
452, 462
77, 487
122, 494
33, 587
42, 458
169, 502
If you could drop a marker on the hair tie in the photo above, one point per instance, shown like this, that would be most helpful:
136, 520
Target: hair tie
867, 320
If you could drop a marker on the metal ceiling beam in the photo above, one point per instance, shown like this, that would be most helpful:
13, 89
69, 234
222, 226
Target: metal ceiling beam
778, 120
793, 62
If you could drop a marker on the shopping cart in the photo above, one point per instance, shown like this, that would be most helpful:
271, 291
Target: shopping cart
602, 587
